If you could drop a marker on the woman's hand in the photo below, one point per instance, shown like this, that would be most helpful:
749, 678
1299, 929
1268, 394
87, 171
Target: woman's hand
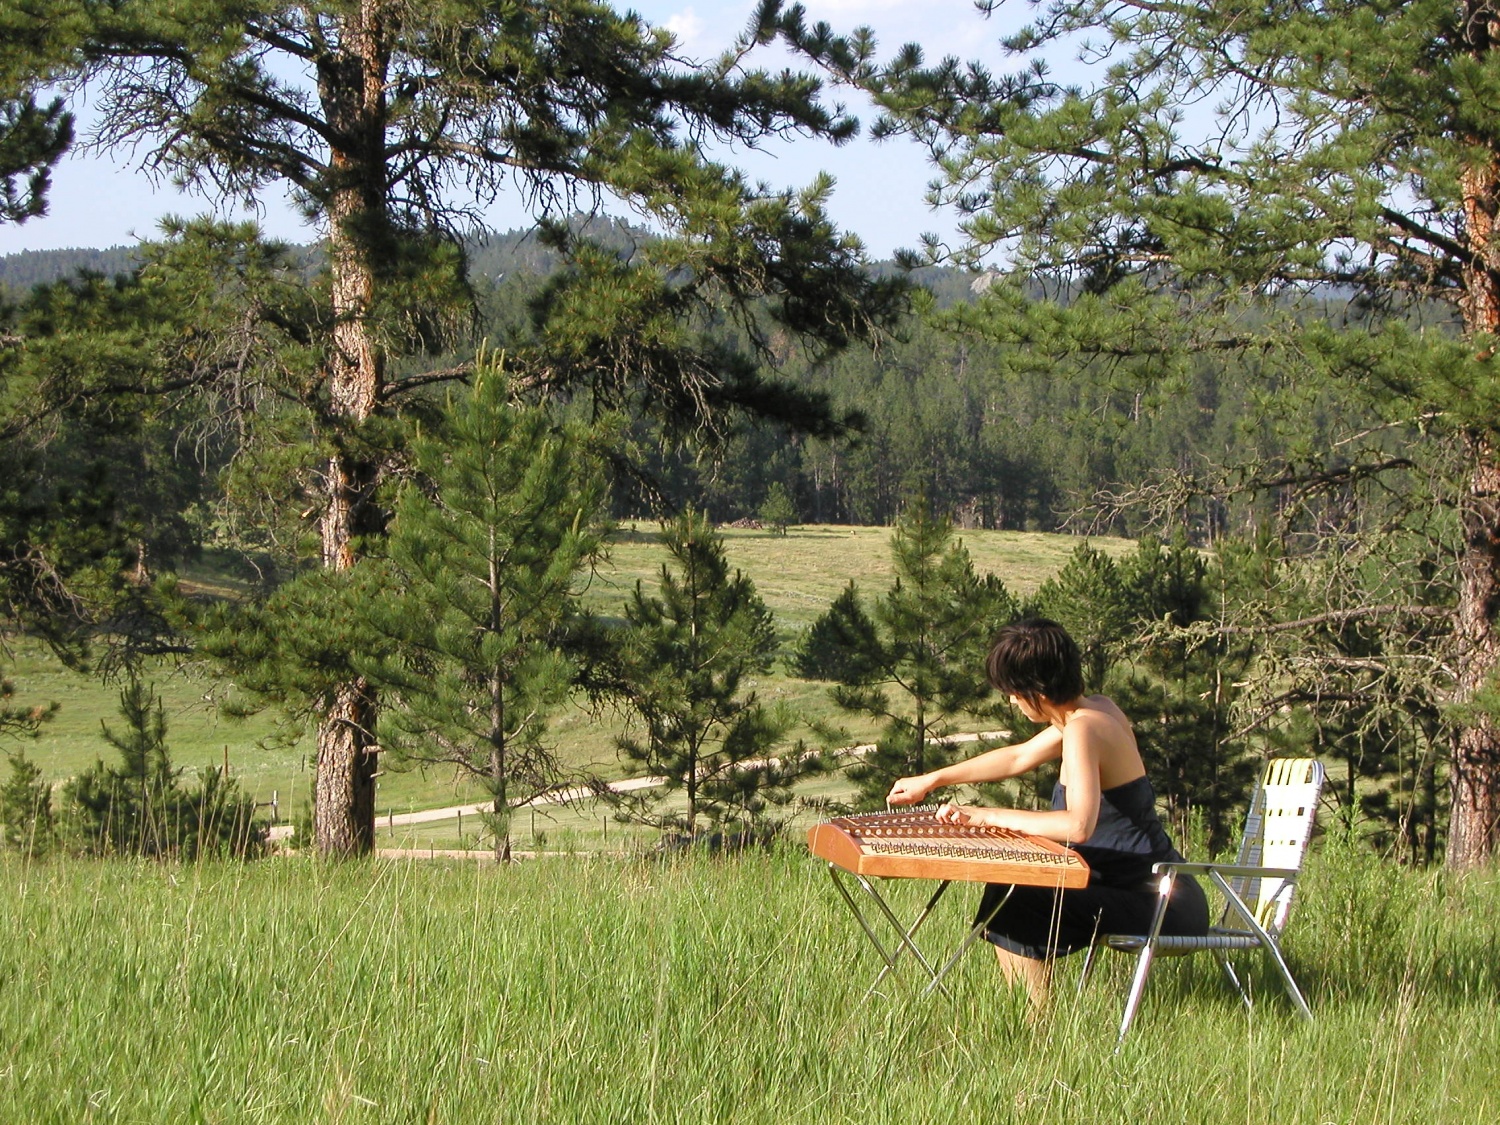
910, 790
963, 814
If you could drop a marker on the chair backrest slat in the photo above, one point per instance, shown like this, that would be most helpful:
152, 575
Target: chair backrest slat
1277, 830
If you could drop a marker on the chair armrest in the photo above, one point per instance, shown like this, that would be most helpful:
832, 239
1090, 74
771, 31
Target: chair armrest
1229, 870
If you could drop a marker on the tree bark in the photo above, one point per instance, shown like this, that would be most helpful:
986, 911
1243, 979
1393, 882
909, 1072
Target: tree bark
1474, 824
500, 806
351, 86
1476, 758
344, 808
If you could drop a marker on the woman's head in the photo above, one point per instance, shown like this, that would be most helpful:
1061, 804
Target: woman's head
1036, 660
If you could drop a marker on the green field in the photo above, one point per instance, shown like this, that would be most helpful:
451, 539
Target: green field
697, 990
798, 576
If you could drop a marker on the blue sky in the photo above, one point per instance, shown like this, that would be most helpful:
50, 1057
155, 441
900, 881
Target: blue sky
106, 199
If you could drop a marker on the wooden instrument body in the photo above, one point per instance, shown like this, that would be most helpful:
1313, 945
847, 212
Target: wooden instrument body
916, 845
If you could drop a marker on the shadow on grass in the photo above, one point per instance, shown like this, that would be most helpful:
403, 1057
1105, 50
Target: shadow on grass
650, 535
1456, 970
1445, 958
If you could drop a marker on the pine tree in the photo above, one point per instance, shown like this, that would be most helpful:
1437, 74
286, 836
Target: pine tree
682, 661
1089, 599
842, 644
777, 511
489, 545
927, 665
127, 808
113, 425
140, 807
26, 807
1177, 678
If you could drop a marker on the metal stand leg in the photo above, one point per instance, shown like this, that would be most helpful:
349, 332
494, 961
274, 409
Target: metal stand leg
905, 934
975, 932
1137, 990
1143, 960
1234, 979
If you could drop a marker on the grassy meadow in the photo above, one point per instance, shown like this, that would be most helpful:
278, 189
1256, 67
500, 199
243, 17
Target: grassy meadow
798, 575
696, 990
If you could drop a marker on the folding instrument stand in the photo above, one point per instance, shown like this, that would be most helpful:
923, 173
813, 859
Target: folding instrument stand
905, 935
915, 845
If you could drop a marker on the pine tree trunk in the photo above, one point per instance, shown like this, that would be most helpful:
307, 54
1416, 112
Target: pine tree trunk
1474, 828
498, 765
344, 808
1476, 759
696, 608
501, 805
919, 749
351, 86
690, 788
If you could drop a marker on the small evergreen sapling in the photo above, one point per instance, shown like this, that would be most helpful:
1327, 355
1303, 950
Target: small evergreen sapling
26, 807
923, 664
842, 645
682, 661
124, 809
778, 512
490, 544
1090, 600
140, 806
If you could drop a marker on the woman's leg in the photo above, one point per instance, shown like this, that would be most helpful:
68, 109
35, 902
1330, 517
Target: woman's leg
1035, 975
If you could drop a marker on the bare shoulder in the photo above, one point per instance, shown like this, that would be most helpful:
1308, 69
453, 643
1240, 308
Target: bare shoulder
1106, 730
1098, 710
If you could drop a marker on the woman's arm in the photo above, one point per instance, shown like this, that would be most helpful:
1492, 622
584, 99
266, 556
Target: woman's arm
1073, 824
993, 765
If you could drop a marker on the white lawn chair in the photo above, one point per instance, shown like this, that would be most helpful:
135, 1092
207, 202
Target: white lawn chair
1257, 887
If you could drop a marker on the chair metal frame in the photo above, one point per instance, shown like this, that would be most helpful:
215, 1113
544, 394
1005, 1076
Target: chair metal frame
1257, 889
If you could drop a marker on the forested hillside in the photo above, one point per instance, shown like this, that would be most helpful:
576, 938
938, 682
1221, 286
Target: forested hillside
20, 271
986, 433
998, 437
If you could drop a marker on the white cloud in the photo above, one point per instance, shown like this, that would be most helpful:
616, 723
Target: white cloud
688, 27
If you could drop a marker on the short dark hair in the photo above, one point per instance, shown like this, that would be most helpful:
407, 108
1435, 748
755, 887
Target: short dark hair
1035, 658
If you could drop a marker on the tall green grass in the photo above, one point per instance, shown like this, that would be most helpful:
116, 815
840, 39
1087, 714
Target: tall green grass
693, 990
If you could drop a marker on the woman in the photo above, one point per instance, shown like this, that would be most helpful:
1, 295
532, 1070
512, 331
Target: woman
1103, 807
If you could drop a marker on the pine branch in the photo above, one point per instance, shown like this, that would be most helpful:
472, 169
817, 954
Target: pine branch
1455, 250
397, 387
1339, 615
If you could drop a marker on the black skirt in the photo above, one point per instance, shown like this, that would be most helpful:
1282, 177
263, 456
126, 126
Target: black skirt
1040, 922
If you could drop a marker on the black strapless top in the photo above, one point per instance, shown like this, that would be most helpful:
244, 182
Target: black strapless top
1128, 836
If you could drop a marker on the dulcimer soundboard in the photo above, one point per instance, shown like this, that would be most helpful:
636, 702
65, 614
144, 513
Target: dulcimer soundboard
914, 844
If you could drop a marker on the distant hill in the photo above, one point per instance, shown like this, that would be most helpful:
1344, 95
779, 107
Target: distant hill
492, 257
36, 267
